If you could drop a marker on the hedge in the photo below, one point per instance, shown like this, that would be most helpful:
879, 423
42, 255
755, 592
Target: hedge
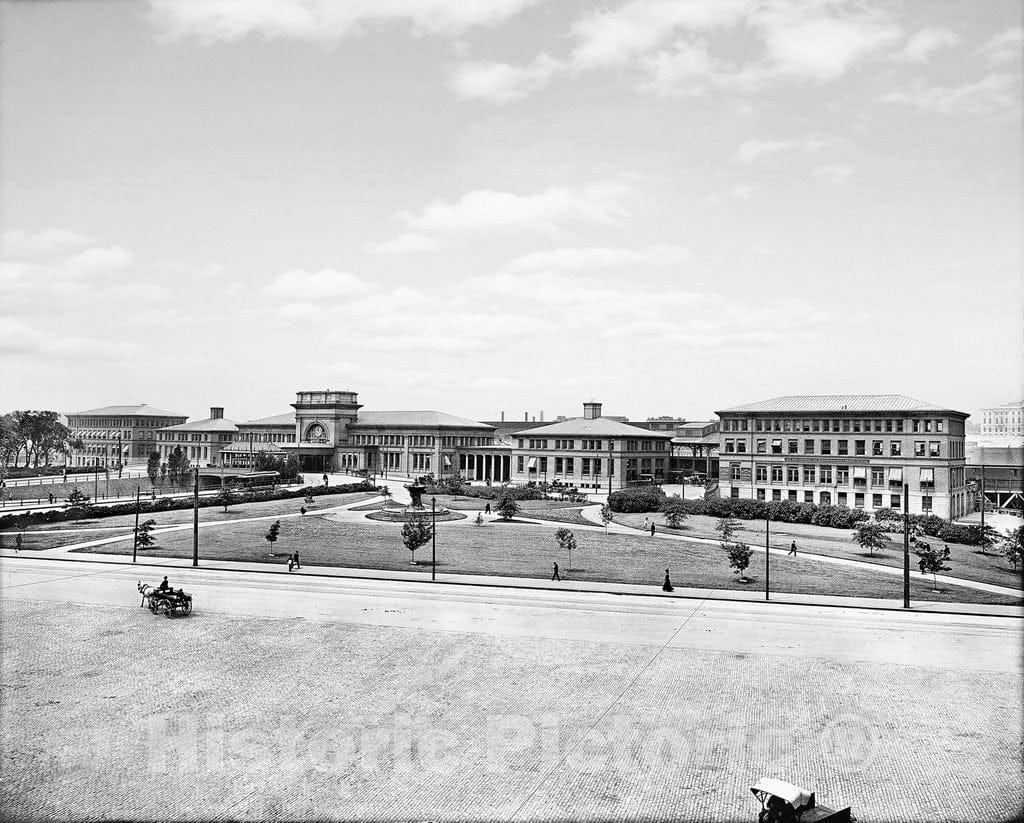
637, 499
164, 504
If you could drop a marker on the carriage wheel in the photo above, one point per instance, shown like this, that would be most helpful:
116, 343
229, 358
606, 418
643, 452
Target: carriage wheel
153, 605
169, 611
186, 607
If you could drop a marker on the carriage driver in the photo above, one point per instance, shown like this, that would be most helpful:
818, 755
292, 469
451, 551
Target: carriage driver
164, 585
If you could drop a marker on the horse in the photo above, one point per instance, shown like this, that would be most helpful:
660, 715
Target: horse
146, 591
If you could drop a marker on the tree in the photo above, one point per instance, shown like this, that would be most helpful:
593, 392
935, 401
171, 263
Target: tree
163, 473
739, 558
77, 499
1013, 546
153, 466
272, 535
871, 536
607, 516
11, 442
174, 461
931, 560
507, 507
226, 497
566, 542
43, 435
416, 533
144, 539
726, 527
675, 512
983, 536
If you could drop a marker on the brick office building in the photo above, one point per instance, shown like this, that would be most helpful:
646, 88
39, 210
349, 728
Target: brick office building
848, 450
114, 435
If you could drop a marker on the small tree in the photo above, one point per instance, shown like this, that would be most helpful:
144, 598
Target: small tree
727, 527
739, 558
415, 533
163, 473
871, 536
144, 538
566, 542
674, 510
226, 497
77, 499
273, 533
1013, 546
607, 516
507, 507
984, 537
931, 560
153, 467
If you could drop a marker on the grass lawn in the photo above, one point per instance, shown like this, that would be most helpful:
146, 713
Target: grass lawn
965, 561
528, 550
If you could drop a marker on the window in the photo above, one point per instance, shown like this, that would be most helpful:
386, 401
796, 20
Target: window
846, 425
792, 446
734, 492
895, 501
569, 469
776, 494
792, 474
808, 447
791, 495
934, 448
895, 448
860, 476
776, 447
760, 494
843, 447
808, 497
762, 474
938, 425
856, 426
841, 498
826, 447
858, 500
734, 471
917, 426
877, 476
809, 474
888, 425
762, 446
926, 503
843, 475
585, 468
825, 474
927, 425
927, 478
895, 477
776, 474
741, 446
876, 501
825, 498
899, 426
876, 448
859, 447
558, 464
918, 448
544, 465
730, 446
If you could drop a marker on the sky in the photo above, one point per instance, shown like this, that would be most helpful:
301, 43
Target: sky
509, 205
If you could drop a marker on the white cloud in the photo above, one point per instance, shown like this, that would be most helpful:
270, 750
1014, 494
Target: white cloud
683, 70
95, 261
324, 20
991, 93
1005, 47
833, 174
551, 213
920, 47
18, 244
742, 192
499, 82
750, 150
20, 338
578, 259
326, 284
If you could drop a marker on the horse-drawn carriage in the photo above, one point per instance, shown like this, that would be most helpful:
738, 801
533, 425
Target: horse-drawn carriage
166, 601
783, 802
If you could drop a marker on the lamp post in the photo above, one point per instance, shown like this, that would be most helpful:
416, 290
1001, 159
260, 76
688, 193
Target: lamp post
195, 520
610, 443
983, 497
433, 538
767, 558
906, 546
135, 545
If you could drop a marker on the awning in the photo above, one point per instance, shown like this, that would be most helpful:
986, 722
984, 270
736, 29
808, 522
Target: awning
447, 460
531, 464
860, 473
895, 475
776, 444
927, 475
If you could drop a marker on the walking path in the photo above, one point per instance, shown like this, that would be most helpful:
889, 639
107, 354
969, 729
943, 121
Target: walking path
345, 513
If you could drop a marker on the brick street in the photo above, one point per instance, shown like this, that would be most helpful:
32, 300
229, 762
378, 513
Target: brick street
360, 699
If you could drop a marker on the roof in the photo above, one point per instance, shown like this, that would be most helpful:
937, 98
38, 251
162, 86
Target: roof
210, 424
839, 403
141, 410
286, 419
418, 419
592, 426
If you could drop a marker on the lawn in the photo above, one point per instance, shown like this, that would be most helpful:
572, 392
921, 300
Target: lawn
528, 550
965, 561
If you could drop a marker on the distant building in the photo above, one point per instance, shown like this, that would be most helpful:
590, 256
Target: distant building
200, 441
587, 452
665, 423
114, 435
695, 449
847, 450
266, 435
995, 471
1005, 420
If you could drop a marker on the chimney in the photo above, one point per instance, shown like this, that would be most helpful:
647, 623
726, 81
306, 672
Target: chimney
526, 417
216, 412
542, 416
591, 410
503, 417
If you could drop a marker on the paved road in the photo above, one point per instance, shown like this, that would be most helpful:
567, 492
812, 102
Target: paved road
299, 697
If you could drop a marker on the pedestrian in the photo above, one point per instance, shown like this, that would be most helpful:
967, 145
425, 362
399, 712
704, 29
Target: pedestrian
667, 585
792, 549
647, 523
487, 509
296, 558
326, 479
652, 528
291, 562
17, 543
556, 575
479, 519
913, 538
302, 509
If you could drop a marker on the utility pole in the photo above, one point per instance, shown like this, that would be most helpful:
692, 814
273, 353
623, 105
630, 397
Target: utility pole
767, 529
983, 496
906, 546
195, 520
433, 538
610, 444
120, 455
135, 545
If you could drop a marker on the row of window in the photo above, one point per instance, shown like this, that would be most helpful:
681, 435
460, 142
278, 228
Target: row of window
817, 424
117, 422
922, 448
840, 475
264, 437
594, 445
878, 501
195, 437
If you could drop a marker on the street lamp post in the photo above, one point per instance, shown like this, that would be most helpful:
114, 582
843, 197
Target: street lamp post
195, 520
610, 468
767, 558
135, 545
433, 538
906, 546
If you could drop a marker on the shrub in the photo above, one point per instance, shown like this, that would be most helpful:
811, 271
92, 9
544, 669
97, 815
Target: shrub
952, 533
637, 499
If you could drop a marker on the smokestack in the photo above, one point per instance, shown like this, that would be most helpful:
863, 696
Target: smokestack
503, 417
542, 416
526, 417
216, 412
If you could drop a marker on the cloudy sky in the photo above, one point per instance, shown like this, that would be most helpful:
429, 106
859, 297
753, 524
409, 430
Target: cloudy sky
509, 205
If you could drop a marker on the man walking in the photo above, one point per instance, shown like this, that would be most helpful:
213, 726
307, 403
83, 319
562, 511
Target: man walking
652, 528
295, 559
792, 549
556, 575
487, 509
